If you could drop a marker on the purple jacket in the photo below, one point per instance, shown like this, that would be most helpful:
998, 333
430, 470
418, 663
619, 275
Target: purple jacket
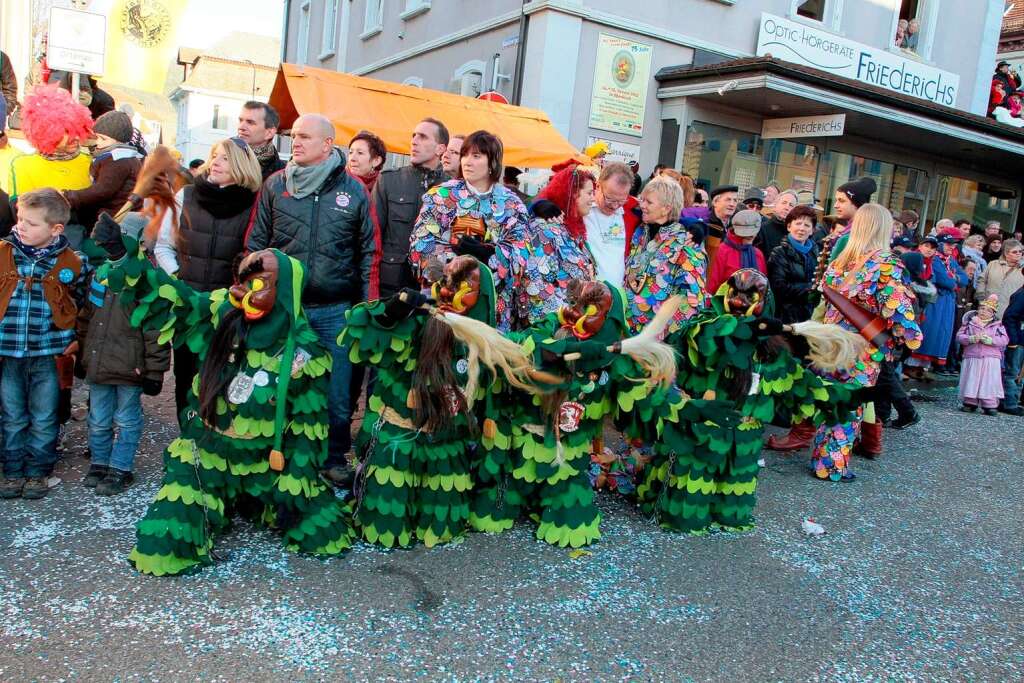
973, 326
701, 213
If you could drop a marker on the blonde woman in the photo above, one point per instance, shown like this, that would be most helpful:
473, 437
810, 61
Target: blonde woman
201, 249
868, 274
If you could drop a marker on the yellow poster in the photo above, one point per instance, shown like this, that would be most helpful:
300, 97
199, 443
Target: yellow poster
142, 42
622, 73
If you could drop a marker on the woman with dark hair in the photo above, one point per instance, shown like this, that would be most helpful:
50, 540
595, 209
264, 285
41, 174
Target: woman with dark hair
473, 214
791, 267
554, 251
366, 156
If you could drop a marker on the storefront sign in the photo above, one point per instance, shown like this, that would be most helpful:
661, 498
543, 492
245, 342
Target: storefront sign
617, 151
621, 76
76, 41
827, 125
813, 47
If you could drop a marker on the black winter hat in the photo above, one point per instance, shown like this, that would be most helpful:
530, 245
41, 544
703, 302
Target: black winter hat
114, 124
859, 191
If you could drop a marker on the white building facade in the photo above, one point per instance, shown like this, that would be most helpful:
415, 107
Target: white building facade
650, 78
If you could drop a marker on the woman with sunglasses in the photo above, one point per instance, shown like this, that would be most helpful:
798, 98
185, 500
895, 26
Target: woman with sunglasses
209, 234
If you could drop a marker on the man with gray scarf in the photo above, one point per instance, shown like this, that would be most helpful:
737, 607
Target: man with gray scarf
317, 213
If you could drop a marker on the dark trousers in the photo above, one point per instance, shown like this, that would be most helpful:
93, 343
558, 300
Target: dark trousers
186, 365
891, 394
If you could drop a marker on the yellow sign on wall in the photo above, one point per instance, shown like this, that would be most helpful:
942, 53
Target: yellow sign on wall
622, 73
142, 41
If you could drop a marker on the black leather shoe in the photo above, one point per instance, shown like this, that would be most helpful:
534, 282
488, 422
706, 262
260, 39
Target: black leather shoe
903, 423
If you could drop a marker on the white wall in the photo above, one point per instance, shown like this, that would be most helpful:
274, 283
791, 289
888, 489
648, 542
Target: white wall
196, 134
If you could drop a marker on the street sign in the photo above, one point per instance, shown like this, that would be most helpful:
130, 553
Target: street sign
827, 125
492, 96
76, 41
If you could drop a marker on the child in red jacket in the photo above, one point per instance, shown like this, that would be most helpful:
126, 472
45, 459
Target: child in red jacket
737, 250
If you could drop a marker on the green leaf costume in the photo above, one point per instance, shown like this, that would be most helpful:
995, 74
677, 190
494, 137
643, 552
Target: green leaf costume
704, 472
539, 467
412, 484
212, 471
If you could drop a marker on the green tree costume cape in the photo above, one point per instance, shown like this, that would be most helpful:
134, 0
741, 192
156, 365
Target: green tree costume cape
536, 467
704, 472
413, 485
211, 471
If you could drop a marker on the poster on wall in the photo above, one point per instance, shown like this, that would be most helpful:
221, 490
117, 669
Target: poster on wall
622, 73
617, 151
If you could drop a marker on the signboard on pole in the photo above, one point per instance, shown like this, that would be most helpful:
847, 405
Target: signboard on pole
76, 41
827, 125
622, 73
810, 46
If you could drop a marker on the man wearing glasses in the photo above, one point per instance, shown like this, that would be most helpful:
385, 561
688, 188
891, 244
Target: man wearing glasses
611, 222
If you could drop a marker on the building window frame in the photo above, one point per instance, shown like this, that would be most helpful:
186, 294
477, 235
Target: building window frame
329, 35
302, 40
216, 118
474, 66
414, 8
414, 81
832, 17
929, 18
373, 19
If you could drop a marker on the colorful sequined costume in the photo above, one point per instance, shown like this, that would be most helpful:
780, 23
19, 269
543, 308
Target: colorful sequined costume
878, 286
265, 420
541, 269
660, 267
449, 205
413, 484
704, 473
539, 462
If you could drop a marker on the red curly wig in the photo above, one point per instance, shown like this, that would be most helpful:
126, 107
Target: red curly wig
563, 190
50, 114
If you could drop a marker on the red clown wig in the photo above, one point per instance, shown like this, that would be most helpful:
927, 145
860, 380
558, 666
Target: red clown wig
563, 190
50, 114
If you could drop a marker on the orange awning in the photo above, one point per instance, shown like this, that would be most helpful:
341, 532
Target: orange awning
355, 103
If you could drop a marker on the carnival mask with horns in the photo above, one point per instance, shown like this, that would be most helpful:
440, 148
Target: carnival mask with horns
458, 287
586, 309
746, 293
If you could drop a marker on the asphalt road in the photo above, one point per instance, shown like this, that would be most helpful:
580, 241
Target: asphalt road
917, 578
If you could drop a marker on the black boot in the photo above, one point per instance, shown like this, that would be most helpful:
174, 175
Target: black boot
114, 483
95, 475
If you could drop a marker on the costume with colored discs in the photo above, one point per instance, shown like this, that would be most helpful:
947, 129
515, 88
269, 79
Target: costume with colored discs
704, 473
541, 467
255, 436
454, 214
660, 266
879, 287
414, 479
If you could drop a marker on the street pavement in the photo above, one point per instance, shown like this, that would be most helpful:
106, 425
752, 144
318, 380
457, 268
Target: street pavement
917, 578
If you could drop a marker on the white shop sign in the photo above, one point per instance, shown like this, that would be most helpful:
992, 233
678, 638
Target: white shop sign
76, 41
808, 46
618, 151
827, 125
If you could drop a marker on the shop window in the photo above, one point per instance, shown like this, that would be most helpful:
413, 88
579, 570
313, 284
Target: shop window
899, 187
714, 155
977, 202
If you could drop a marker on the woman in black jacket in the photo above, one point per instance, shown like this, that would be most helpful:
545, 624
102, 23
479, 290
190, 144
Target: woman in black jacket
201, 249
791, 267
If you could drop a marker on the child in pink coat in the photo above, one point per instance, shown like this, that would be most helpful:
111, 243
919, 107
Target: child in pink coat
983, 339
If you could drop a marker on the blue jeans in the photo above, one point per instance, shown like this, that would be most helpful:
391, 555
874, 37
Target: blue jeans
1011, 370
113, 405
28, 392
328, 322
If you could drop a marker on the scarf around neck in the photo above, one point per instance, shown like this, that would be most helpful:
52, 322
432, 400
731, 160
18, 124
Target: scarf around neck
748, 253
369, 180
302, 181
265, 152
222, 202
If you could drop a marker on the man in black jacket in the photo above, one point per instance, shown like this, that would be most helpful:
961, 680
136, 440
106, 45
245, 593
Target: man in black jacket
398, 197
257, 125
1013, 321
317, 213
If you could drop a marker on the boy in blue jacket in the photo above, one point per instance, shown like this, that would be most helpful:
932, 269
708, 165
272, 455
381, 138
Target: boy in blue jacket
42, 281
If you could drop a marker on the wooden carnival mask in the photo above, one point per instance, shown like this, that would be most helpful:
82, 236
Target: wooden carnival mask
747, 294
586, 309
458, 289
255, 288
